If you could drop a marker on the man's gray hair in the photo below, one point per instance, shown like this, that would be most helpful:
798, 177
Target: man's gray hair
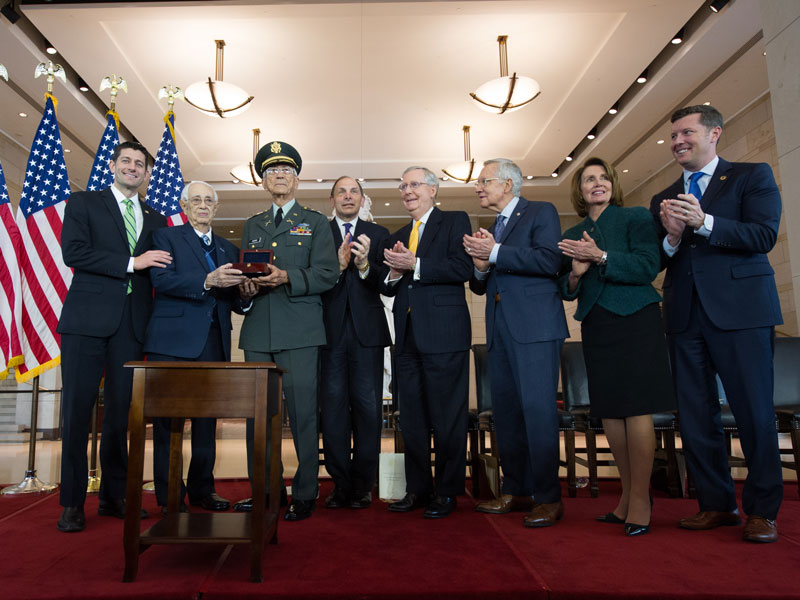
508, 169
185, 192
430, 177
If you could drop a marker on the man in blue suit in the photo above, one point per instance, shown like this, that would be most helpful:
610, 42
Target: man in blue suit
351, 381
428, 268
719, 221
191, 321
516, 265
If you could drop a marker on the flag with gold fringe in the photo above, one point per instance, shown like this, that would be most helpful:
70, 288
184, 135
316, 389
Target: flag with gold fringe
44, 276
10, 294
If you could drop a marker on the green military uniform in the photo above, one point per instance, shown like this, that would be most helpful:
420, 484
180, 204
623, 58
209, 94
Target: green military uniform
284, 324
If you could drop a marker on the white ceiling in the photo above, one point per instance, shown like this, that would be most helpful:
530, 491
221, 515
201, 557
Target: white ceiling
369, 88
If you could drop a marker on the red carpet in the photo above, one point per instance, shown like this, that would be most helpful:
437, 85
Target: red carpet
376, 554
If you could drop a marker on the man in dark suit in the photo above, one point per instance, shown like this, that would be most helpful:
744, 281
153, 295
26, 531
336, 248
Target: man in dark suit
284, 324
719, 221
191, 321
516, 265
352, 361
106, 239
428, 268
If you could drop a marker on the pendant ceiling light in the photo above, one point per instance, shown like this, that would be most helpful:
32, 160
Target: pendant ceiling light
469, 169
215, 97
247, 173
505, 94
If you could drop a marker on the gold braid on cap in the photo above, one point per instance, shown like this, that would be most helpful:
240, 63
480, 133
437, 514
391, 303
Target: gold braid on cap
279, 159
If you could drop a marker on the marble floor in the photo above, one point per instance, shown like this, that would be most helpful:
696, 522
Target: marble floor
231, 461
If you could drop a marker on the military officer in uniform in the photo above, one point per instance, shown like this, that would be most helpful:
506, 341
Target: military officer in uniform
284, 323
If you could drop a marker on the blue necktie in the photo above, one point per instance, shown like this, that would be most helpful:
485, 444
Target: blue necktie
209, 259
500, 225
694, 186
347, 227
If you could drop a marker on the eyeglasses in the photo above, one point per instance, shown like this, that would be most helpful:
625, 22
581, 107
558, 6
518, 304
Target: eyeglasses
483, 182
280, 171
198, 201
413, 185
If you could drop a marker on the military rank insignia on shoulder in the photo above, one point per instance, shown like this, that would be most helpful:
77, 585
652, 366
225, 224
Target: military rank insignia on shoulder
309, 209
301, 229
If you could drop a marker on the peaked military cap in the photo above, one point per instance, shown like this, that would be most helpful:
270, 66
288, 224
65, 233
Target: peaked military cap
277, 153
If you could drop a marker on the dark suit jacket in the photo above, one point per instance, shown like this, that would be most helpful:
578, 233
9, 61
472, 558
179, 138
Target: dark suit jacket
730, 270
437, 301
362, 295
525, 276
94, 244
182, 311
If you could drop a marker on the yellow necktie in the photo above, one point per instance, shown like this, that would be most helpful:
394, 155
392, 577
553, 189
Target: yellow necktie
413, 239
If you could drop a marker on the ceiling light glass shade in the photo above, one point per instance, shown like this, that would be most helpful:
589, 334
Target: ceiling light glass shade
465, 171
246, 174
506, 94
218, 98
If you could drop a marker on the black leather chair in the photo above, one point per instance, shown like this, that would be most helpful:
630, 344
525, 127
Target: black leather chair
575, 417
786, 398
481, 422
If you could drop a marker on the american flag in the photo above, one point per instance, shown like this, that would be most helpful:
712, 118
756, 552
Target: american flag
10, 300
101, 176
166, 182
45, 277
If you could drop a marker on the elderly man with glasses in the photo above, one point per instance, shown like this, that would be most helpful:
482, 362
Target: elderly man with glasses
516, 262
284, 324
428, 268
191, 321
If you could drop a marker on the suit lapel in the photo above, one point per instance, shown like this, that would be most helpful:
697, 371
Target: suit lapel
429, 231
516, 216
222, 254
110, 202
716, 183
190, 237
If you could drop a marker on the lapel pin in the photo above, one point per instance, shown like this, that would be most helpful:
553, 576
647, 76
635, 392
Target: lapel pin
723, 177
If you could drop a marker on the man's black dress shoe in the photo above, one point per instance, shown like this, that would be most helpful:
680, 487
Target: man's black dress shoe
114, 508
361, 500
182, 508
338, 498
299, 510
211, 502
246, 505
610, 518
410, 501
632, 529
72, 519
439, 507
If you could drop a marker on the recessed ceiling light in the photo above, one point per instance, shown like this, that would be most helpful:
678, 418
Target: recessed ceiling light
717, 5
569, 158
678, 37
592, 134
49, 48
231, 231
660, 142
554, 173
23, 115
234, 180
529, 177
706, 103
624, 170
82, 86
614, 109
67, 150
387, 203
361, 179
445, 178
643, 77
319, 179
438, 204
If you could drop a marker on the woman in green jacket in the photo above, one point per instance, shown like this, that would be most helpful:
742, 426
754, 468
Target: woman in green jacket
611, 258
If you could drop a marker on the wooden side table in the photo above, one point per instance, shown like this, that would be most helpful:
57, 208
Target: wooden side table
204, 389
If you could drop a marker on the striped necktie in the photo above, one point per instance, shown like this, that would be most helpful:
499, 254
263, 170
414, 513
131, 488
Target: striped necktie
130, 231
499, 227
413, 239
212, 264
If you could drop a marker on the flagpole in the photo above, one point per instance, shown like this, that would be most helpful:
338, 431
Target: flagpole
31, 484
